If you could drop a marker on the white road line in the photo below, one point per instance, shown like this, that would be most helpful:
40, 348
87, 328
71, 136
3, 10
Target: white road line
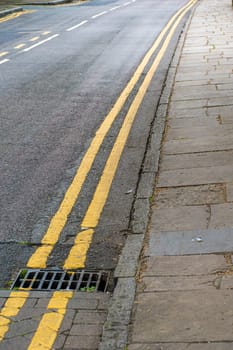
77, 26
127, 3
40, 43
100, 14
114, 8
4, 61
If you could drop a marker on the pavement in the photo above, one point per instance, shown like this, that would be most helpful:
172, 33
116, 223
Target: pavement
175, 274
184, 283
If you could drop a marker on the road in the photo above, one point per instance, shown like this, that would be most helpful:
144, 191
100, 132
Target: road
67, 179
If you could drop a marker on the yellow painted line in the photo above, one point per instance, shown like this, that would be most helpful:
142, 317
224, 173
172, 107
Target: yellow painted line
46, 33
78, 252
50, 323
39, 258
19, 46
15, 15
35, 38
3, 53
12, 306
77, 256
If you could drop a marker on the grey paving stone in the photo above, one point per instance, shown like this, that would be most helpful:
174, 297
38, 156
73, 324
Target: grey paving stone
224, 101
188, 104
223, 111
191, 113
187, 265
185, 243
179, 218
181, 94
221, 215
190, 195
86, 329
104, 300
195, 316
21, 327
198, 144
197, 131
177, 283
197, 160
196, 176
229, 192
94, 317
40, 295
227, 281
4, 293
223, 87
82, 342
83, 304
193, 121
182, 346
42, 303
59, 342
19, 343
67, 321
26, 313
201, 82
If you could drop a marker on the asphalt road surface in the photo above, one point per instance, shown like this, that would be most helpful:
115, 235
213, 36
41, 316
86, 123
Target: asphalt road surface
68, 181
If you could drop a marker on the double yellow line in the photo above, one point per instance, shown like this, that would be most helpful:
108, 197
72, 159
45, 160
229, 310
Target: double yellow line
15, 15
58, 222
77, 256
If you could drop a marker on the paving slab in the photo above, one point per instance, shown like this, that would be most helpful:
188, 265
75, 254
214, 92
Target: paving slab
191, 113
190, 242
199, 144
197, 160
177, 283
196, 176
182, 346
229, 192
189, 195
193, 121
221, 130
180, 218
186, 265
221, 215
201, 316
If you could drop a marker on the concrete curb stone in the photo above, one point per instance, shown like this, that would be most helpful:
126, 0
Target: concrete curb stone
10, 11
53, 2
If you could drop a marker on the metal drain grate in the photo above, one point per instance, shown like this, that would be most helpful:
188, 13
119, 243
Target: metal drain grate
49, 280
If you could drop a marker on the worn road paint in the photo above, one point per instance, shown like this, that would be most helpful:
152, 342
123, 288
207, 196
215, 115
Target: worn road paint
15, 15
12, 306
40, 256
20, 46
77, 26
40, 43
4, 61
99, 14
35, 38
50, 323
78, 252
3, 53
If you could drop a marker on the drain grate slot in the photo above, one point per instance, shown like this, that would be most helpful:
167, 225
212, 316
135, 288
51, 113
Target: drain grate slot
51, 280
